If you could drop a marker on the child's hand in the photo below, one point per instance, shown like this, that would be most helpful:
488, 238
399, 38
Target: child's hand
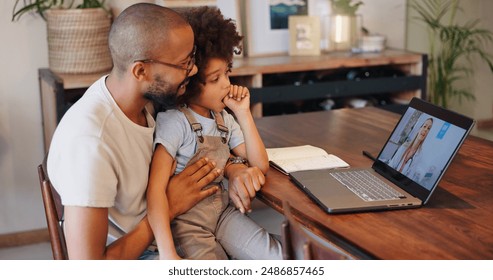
238, 99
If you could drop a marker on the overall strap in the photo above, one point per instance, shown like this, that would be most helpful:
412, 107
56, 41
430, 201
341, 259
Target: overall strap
221, 127
196, 126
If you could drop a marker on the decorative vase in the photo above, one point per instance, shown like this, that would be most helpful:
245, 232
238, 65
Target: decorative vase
78, 40
344, 32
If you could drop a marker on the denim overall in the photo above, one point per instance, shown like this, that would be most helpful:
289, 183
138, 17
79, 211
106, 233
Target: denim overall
213, 229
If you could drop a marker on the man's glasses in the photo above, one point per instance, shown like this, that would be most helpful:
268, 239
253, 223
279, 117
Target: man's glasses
188, 68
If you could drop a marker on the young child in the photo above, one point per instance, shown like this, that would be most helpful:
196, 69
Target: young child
213, 229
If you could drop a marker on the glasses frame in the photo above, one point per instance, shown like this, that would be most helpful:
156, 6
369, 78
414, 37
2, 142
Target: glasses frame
188, 68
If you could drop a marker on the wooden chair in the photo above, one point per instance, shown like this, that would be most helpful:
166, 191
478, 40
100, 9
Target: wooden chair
300, 244
54, 214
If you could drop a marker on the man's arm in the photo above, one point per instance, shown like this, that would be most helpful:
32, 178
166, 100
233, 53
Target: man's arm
86, 228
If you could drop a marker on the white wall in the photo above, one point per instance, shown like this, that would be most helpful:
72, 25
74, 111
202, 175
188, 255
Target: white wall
376, 19
24, 49
483, 80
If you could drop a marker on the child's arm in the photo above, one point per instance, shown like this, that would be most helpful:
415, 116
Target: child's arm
162, 167
253, 149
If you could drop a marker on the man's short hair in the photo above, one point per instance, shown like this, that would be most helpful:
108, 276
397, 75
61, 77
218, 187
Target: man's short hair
140, 32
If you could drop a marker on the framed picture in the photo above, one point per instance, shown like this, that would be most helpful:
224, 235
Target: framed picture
265, 23
304, 35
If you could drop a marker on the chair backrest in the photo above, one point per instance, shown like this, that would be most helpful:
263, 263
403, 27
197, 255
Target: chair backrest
299, 244
54, 214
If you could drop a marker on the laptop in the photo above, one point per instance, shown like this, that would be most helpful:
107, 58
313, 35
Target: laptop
410, 165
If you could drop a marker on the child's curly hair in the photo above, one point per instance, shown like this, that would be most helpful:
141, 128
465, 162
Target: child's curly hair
215, 37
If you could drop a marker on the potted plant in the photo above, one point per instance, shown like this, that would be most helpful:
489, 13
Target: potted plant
345, 24
77, 34
451, 47
345, 7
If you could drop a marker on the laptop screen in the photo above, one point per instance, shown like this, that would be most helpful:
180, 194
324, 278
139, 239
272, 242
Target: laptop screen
421, 147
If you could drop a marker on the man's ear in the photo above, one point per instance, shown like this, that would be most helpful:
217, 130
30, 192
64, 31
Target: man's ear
139, 71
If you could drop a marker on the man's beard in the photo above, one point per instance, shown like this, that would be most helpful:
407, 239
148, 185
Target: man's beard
162, 95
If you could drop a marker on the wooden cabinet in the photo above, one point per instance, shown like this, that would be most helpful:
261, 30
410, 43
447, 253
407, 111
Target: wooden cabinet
60, 91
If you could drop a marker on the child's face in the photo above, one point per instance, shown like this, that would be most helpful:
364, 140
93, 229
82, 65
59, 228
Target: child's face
216, 86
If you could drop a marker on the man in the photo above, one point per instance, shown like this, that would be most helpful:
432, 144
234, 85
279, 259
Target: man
100, 153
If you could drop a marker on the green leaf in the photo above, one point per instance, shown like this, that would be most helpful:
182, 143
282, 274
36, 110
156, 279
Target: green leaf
452, 47
41, 6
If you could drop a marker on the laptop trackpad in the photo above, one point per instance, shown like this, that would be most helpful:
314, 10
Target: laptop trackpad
326, 191
320, 183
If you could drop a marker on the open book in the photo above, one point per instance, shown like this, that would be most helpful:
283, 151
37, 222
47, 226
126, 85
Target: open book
300, 158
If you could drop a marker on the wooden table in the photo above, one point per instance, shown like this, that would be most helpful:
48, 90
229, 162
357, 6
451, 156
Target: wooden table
457, 223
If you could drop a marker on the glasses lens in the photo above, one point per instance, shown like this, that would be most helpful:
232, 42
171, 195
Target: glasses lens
192, 59
190, 64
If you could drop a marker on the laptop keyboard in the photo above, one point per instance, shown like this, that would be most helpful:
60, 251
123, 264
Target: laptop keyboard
366, 185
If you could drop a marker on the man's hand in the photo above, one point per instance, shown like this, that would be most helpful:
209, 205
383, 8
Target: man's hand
185, 189
244, 182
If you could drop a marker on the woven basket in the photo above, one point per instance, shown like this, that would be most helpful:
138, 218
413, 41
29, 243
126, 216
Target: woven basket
78, 40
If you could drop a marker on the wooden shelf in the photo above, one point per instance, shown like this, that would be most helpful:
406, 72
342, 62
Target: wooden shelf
59, 91
333, 60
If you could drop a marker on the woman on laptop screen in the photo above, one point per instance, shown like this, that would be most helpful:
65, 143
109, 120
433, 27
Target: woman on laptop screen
421, 146
409, 152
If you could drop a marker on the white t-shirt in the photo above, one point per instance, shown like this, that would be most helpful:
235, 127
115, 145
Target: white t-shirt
100, 158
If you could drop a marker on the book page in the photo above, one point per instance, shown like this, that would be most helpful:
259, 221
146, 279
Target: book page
306, 157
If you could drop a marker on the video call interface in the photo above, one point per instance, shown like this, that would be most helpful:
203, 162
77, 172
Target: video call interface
421, 146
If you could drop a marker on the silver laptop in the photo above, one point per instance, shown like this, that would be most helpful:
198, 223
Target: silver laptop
406, 171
